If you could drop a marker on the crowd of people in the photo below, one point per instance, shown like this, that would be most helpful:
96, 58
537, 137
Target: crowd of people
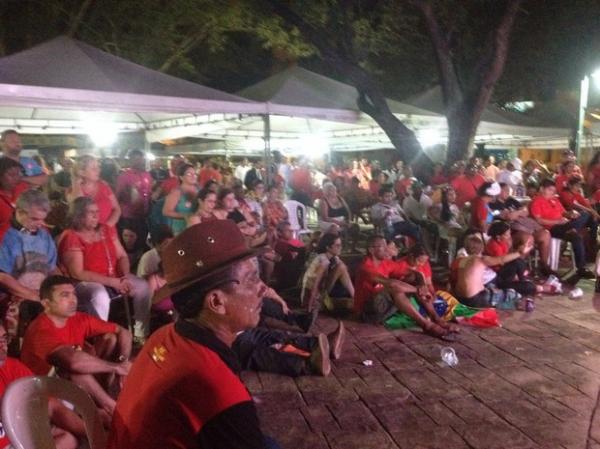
224, 275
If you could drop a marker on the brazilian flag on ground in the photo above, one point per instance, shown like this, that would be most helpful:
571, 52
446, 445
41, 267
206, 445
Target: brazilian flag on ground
448, 307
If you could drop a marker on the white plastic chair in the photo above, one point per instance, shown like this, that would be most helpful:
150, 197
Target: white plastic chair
25, 412
555, 252
297, 217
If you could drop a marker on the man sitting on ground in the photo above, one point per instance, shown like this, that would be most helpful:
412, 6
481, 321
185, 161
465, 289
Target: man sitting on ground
470, 288
59, 337
378, 295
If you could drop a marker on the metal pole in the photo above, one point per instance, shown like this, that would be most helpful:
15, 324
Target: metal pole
583, 100
267, 138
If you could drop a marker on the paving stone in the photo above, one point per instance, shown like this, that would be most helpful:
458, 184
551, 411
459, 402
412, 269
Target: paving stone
404, 417
274, 422
354, 416
319, 418
301, 440
344, 439
471, 410
496, 436
439, 413
438, 437
561, 434
252, 381
522, 413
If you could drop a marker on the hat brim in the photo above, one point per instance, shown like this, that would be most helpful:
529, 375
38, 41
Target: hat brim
167, 290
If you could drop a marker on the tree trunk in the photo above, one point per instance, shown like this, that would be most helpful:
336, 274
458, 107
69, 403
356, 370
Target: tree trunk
462, 125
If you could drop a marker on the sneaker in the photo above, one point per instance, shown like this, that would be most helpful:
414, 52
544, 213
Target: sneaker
336, 341
319, 358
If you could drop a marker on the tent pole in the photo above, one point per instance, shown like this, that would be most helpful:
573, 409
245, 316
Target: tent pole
267, 155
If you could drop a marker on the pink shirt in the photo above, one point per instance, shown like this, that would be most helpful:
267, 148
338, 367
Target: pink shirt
134, 191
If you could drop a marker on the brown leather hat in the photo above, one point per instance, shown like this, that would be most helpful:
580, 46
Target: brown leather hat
199, 251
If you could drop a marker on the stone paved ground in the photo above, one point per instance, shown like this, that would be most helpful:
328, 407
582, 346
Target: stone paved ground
533, 383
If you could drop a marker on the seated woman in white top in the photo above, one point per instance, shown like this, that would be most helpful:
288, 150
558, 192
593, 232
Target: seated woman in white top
326, 275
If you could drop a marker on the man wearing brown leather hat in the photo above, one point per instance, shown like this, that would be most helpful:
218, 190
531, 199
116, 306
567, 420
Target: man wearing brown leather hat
184, 389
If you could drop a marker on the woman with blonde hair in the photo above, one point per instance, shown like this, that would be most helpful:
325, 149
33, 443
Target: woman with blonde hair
85, 181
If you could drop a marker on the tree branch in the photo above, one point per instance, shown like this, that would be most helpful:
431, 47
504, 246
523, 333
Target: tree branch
76, 22
443, 54
186, 46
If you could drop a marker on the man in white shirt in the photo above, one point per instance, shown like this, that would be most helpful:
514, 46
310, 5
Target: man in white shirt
490, 169
242, 169
417, 203
512, 175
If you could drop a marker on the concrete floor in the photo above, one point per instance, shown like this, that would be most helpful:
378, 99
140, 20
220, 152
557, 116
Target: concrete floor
533, 383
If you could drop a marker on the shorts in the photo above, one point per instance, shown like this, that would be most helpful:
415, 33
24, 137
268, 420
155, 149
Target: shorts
490, 297
379, 308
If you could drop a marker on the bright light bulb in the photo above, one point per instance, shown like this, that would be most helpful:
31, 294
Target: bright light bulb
101, 131
150, 156
428, 137
596, 78
313, 146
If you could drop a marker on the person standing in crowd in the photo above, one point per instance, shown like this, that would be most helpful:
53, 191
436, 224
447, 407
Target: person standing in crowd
242, 169
11, 186
549, 212
186, 378
157, 171
85, 181
466, 185
90, 252
439, 177
134, 192
182, 201
172, 182
57, 338
11, 144
490, 169
273, 210
209, 172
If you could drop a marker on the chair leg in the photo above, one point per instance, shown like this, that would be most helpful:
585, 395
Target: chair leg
128, 314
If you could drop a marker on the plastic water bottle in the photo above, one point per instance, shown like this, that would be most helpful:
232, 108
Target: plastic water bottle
448, 355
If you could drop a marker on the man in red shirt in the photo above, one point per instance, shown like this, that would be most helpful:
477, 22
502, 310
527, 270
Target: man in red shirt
209, 172
549, 212
379, 294
59, 337
466, 185
60, 416
184, 389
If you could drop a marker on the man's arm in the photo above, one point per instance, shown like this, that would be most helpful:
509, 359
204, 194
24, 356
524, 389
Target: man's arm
74, 361
65, 419
16, 289
124, 342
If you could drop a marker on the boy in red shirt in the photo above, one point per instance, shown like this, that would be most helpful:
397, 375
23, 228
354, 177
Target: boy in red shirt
58, 337
549, 212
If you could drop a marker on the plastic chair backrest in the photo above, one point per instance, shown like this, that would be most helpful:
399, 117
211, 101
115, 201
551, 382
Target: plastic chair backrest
296, 215
25, 412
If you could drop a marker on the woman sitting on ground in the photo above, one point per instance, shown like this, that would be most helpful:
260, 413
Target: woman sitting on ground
327, 276
90, 252
181, 202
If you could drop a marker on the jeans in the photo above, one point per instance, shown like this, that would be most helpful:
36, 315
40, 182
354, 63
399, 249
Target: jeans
508, 272
255, 352
406, 228
570, 232
93, 298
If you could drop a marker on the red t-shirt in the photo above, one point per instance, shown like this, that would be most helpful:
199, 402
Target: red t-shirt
103, 200
596, 196
7, 206
301, 180
11, 370
561, 182
99, 257
497, 249
466, 188
43, 337
404, 268
207, 174
568, 199
547, 209
365, 286
438, 179
480, 212
169, 184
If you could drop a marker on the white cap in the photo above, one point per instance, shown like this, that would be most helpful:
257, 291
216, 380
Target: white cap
493, 190
516, 162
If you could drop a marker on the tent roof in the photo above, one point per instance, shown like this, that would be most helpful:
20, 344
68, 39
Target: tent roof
67, 63
300, 87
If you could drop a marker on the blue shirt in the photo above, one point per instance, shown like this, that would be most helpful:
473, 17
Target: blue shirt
31, 167
29, 258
